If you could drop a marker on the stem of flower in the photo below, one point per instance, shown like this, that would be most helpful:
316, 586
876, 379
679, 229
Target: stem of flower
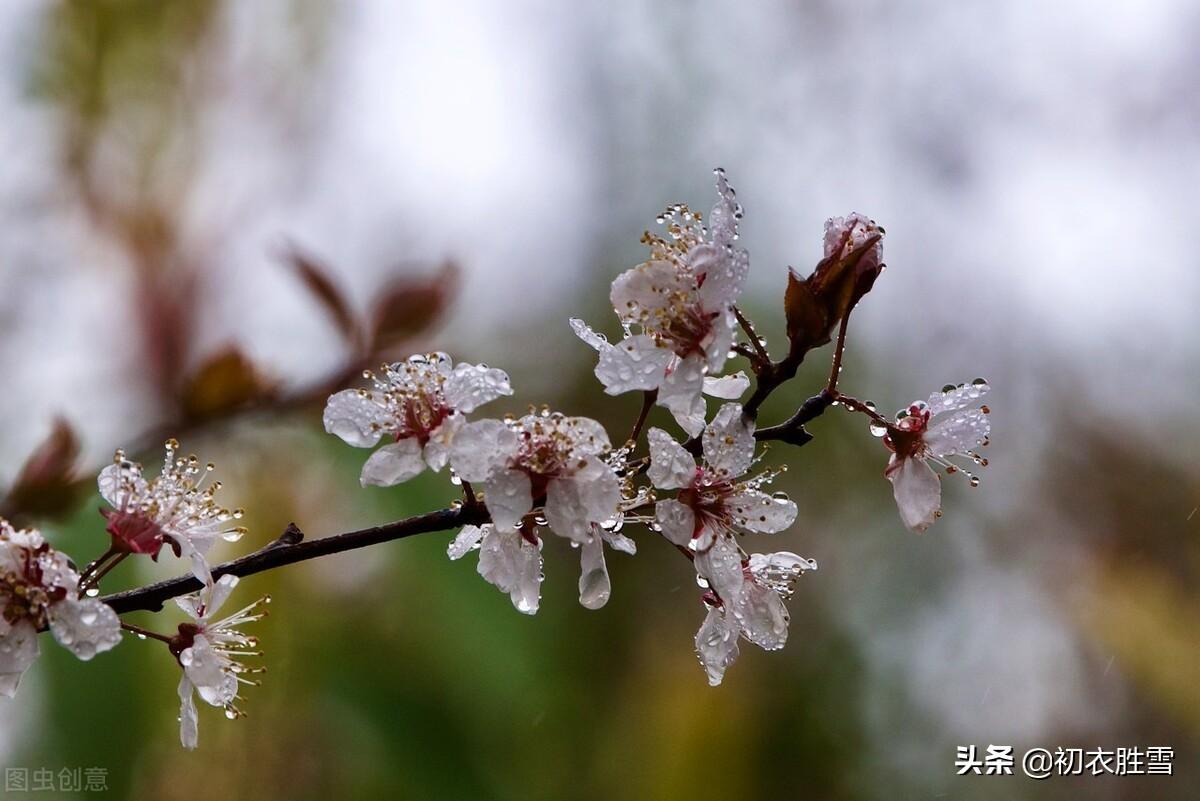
94, 579
648, 399
763, 357
836, 368
95, 563
154, 635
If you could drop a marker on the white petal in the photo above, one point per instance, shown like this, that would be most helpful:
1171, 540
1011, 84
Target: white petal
465, 542
635, 363
957, 398
599, 490
354, 416
957, 432
762, 616
189, 721
671, 466
85, 627
594, 585
725, 276
761, 513
722, 566
588, 334
729, 387
588, 437
206, 670
393, 464
566, 512
729, 442
720, 341
509, 497
119, 481
638, 293
472, 385
681, 394
437, 449
918, 492
513, 566
717, 644
18, 650
219, 594
619, 542
481, 447
676, 520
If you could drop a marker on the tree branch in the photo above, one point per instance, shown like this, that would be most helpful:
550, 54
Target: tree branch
291, 547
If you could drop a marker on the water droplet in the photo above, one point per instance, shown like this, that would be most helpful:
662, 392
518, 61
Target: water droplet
92, 592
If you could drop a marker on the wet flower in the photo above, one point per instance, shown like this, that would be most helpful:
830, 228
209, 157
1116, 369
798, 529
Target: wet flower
175, 507
711, 504
420, 403
209, 651
755, 611
542, 459
934, 431
677, 309
509, 559
38, 590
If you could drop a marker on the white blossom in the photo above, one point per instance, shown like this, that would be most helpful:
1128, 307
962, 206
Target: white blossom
711, 504
209, 651
508, 559
420, 403
545, 458
933, 431
677, 312
754, 611
177, 507
38, 590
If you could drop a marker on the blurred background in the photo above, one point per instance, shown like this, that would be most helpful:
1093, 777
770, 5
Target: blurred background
214, 213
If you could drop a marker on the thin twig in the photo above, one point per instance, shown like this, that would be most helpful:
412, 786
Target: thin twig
152, 597
154, 635
755, 342
835, 369
648, 399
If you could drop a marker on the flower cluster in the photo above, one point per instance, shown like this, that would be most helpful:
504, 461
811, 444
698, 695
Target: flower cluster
39, 589
544, 471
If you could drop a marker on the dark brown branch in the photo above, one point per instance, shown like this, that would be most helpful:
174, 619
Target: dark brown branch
291, 547
792, 430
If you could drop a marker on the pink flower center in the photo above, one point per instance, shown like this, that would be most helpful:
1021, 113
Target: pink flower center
134, 532
687, 330
707, 499
26, 595
906, 438
421, 416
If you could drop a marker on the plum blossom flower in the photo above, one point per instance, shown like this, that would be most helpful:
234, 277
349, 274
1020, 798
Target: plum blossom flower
545, 458
711, 505
175, 507
421, 403
844, 234
755, 611
677, 310
209, 652
38, 590
933, 431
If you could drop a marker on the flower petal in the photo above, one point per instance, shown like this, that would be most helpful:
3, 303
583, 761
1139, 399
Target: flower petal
676, 521
720, 341
619, 542
189, 720
509, 497
638, 293
119, 482
957, 432
206, 670
681, 394
355, 416
635, 363
728, 387
437, 449
589, 335
481, 447
958, 398
729, 442
514, 566
594, 585
717, 644
472, 385
918, 492
762, 615
393, 464
18, 650
721, 565
671, 466
85, 627
761, 513
465, 542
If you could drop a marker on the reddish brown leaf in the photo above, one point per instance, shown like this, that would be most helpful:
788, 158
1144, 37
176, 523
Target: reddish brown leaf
316, 278
223, 383
46, 484
409, 307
